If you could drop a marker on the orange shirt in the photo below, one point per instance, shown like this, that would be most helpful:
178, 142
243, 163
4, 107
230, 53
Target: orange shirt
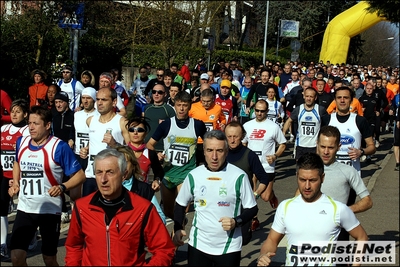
389, 96
355, 107
393, 87
211, 117
37, 91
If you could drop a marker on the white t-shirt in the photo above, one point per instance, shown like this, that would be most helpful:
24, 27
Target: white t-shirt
275, 110
74, 100
81, 129
216, 195
304, 222
261, 137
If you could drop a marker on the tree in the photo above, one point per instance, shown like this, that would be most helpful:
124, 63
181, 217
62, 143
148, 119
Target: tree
389, 9
30, 40
313, 16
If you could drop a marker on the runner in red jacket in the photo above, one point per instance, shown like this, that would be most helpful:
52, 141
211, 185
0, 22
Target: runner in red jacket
113, 226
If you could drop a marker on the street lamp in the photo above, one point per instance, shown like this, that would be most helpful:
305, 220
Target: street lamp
385, 39
265, 33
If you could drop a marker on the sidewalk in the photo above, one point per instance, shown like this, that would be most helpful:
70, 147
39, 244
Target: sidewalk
381, 222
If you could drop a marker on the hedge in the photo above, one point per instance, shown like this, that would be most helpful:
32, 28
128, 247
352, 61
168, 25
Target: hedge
153, 55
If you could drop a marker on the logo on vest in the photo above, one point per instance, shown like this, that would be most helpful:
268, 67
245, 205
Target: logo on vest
223, 204
203, 190
346, 139
223, 192
308, 118
202, 202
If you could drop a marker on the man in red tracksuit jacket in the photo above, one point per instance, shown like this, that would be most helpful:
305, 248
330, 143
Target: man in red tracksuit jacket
113, 226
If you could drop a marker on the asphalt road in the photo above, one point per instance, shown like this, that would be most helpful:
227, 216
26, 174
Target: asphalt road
381, 222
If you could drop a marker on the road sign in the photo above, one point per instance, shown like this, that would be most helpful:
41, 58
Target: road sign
294, 56
295, 45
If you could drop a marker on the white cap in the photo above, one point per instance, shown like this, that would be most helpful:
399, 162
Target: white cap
90, 91
204, 76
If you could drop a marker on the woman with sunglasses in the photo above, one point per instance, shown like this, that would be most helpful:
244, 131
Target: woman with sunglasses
138, 128
9, 135
134, 182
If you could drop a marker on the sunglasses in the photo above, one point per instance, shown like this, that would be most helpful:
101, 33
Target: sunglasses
137, 129
66, 72
158, 75
260, 110
157, 92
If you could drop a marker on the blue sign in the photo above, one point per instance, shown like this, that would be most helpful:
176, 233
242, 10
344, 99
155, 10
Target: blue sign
71, 16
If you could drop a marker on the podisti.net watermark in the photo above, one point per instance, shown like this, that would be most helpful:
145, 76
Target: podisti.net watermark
342, 252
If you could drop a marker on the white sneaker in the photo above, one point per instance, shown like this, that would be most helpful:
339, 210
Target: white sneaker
34, 242
65, 217
377, 144
363, 158
4, 252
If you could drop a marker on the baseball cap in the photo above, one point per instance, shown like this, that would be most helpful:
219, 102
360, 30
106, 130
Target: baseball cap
226, 83
62, 96
204, 76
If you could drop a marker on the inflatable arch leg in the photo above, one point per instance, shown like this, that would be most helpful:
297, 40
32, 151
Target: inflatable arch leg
347, 24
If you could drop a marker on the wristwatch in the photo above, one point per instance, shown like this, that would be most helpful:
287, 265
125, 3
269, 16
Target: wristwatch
362, 152
238, 222
62, 187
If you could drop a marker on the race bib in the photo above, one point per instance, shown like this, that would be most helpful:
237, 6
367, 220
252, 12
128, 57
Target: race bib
178, 155
32, 183
209, 126
226, 113
82, 139
345, 159
91, 162
308, 128
7, 159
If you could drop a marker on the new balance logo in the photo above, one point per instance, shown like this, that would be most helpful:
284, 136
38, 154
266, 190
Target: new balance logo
322, 212
257, 134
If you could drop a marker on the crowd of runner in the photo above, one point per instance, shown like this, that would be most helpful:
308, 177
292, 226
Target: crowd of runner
208, 137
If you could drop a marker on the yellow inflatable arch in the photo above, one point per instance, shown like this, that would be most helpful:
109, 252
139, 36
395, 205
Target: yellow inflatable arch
347, 24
